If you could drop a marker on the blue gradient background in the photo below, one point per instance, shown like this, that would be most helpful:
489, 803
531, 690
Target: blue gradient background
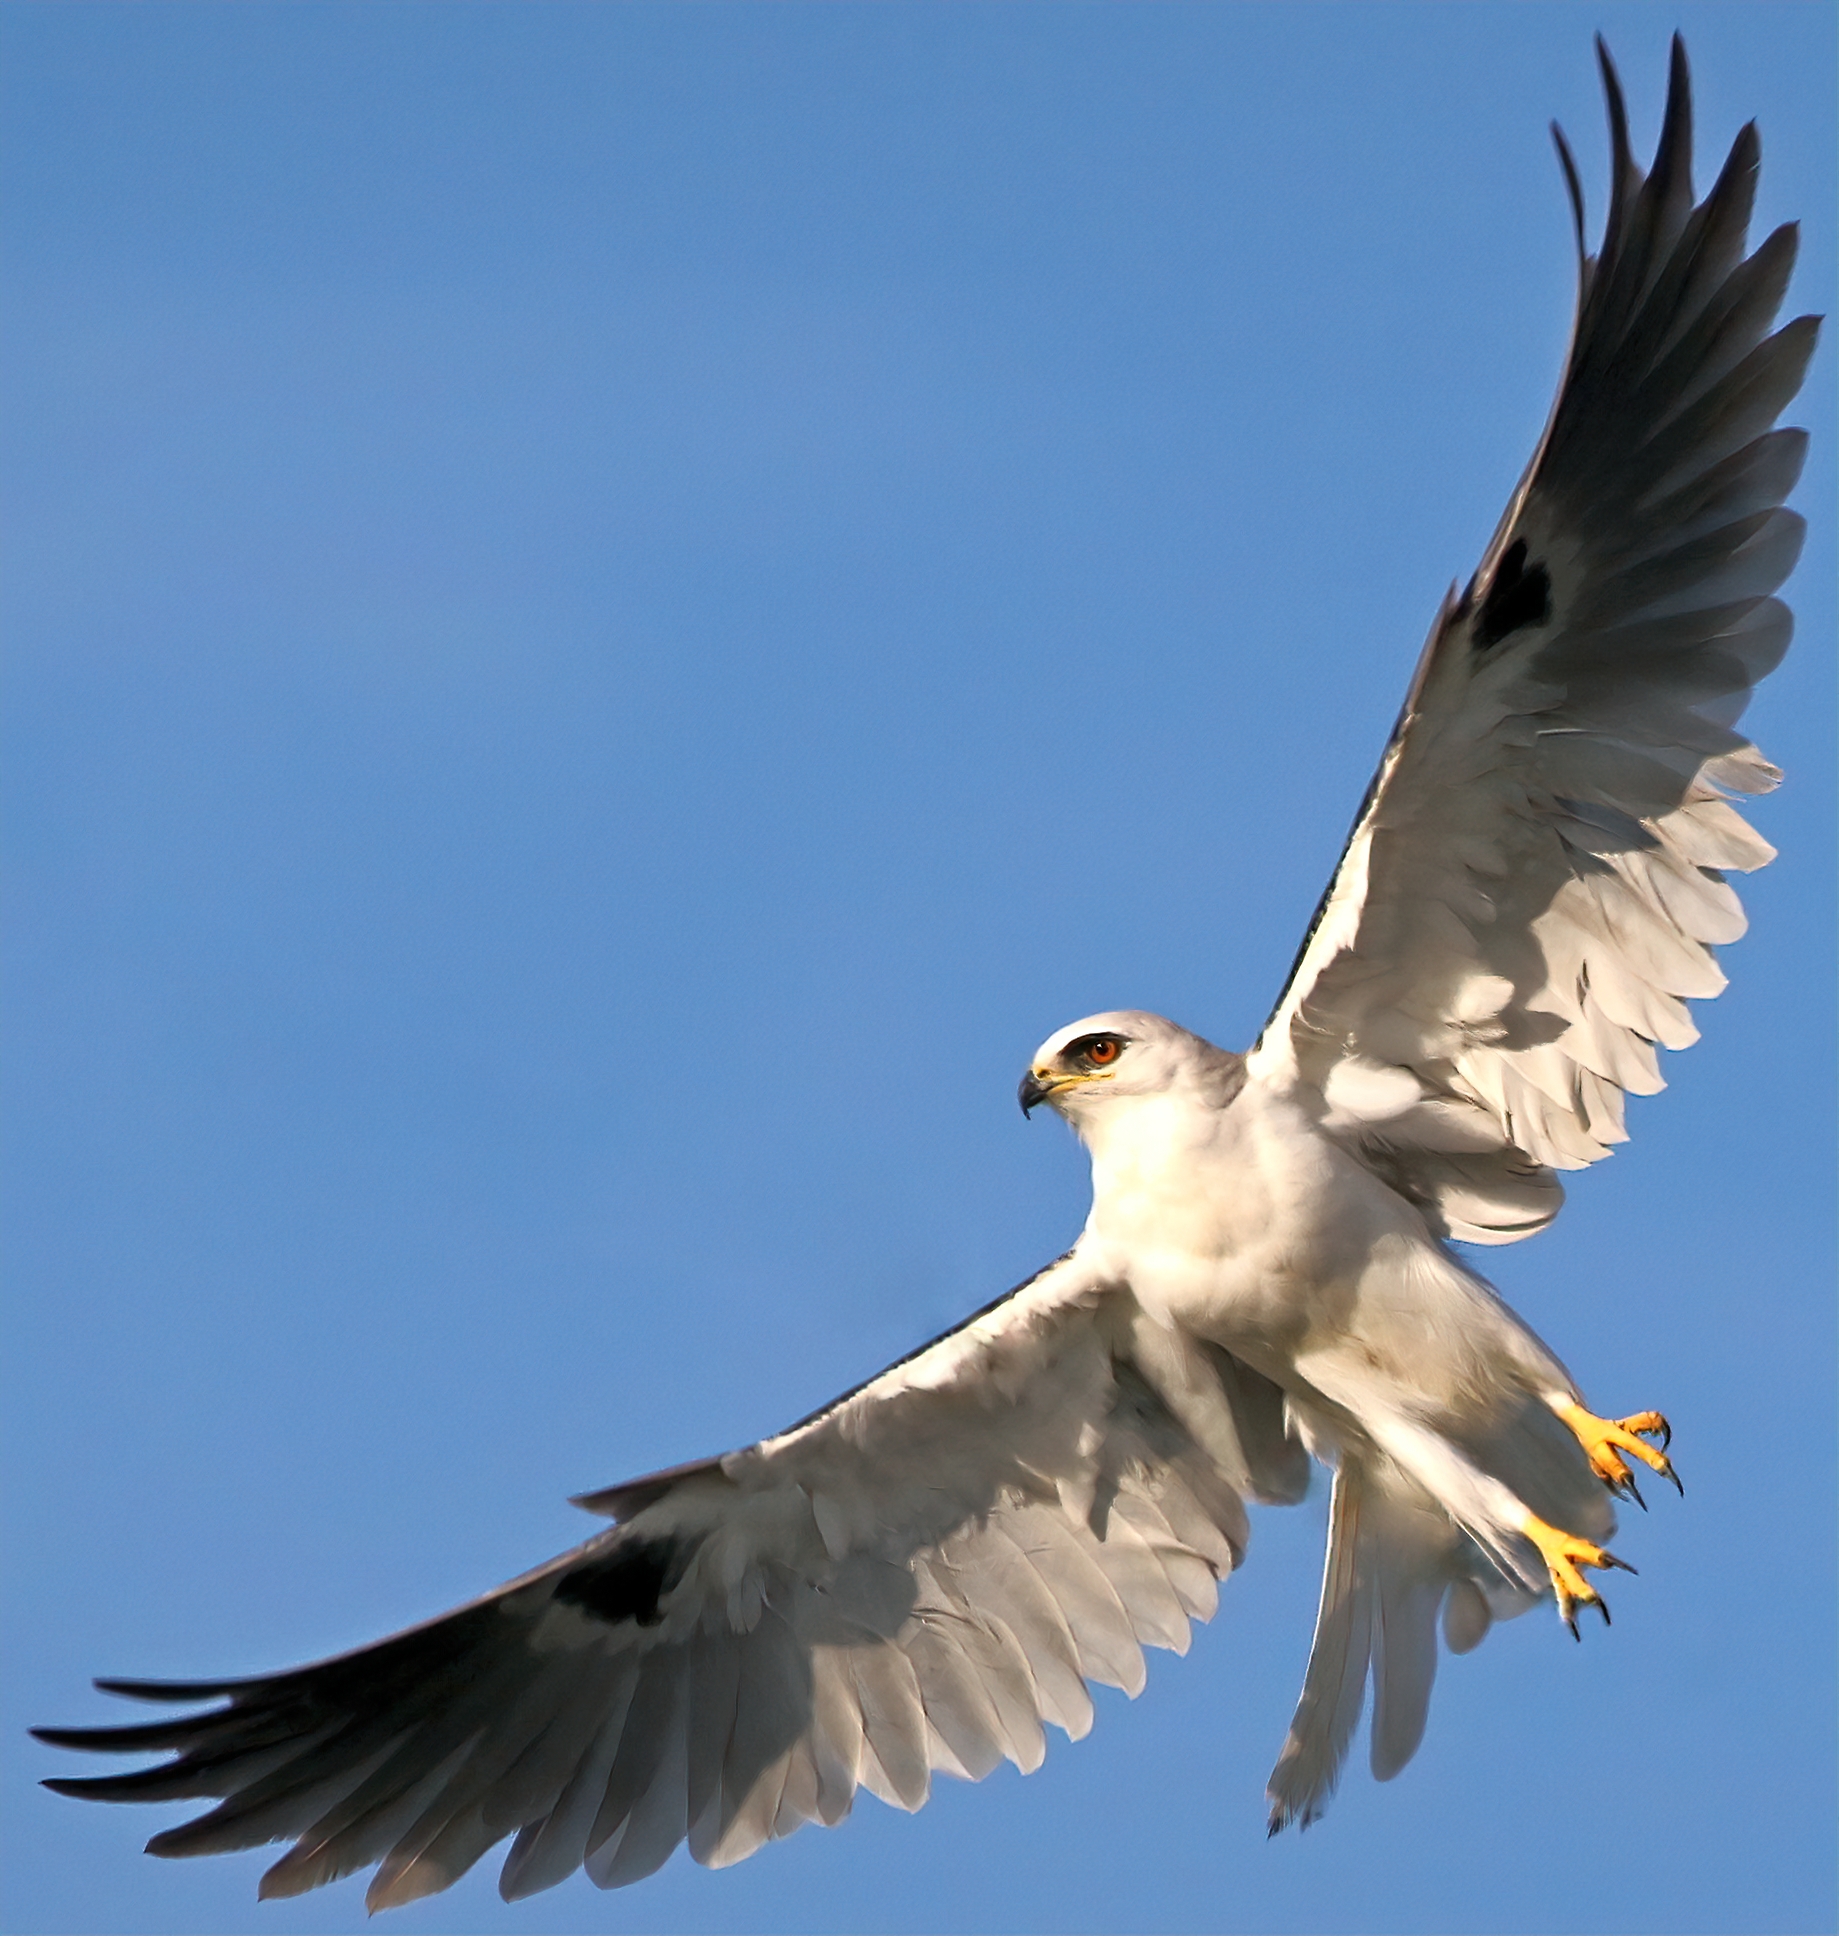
611, 613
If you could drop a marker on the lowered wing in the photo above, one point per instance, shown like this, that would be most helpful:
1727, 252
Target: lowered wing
1534, 887
914, 1579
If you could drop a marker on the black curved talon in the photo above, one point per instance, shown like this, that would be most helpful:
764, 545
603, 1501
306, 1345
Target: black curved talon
1632, 1491
1621, 1566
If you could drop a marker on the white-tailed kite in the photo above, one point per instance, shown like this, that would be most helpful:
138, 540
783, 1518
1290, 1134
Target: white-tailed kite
922, 1574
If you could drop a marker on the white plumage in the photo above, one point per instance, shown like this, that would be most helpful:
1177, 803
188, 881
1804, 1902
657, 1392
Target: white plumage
922, 1576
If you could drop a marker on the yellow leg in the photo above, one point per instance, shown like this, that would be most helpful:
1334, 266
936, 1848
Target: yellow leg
1609, 1444
1565, 1555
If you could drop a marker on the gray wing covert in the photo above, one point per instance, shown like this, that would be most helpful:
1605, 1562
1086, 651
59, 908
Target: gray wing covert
1534, 888
913, 1580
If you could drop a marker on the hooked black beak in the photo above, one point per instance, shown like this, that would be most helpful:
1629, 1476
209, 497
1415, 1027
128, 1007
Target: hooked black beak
1032, 1091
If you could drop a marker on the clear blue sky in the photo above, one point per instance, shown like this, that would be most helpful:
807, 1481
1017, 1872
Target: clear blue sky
612, 611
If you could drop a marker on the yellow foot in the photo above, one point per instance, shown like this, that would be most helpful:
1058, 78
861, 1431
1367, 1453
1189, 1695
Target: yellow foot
1564, 1555
1609, 1444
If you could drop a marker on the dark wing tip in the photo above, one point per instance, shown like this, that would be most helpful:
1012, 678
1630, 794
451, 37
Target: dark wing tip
1614, 101
171, 1692
1671, 172
142, 1785
1624, 173
1744, 159
97, 1740
150, 1737
1573, 183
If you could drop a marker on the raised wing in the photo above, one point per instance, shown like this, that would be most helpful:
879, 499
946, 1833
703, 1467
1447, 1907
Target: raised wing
913, 1579
1534, 886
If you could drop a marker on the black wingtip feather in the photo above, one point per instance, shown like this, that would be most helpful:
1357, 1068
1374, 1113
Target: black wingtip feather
170, 1782
1671, 173
1679, 72
1574, 187
100, 1740
1617, 106
1624, 172
1736, 181
174, 1693
178, 1732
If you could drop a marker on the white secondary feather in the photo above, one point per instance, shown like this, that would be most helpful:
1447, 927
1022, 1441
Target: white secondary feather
926, 1574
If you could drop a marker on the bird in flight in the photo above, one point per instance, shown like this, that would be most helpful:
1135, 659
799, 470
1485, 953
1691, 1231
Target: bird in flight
923, 1574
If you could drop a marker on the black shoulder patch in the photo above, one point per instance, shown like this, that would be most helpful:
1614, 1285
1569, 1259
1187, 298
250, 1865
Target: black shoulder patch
628, 1582
1519, 594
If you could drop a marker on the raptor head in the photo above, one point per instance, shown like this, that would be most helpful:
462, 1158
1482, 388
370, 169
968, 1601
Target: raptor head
1124, 1052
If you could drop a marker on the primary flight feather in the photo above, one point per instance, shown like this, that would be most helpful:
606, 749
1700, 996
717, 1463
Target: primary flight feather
924, 1574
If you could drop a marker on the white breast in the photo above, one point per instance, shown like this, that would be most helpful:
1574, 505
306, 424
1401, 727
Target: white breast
1239, 1223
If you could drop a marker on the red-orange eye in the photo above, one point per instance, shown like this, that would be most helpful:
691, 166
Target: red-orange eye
1106, 1049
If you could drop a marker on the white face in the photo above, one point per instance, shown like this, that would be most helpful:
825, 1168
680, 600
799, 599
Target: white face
1124, 1052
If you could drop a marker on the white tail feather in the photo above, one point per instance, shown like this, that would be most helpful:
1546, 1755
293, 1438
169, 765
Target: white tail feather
1392, 1556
